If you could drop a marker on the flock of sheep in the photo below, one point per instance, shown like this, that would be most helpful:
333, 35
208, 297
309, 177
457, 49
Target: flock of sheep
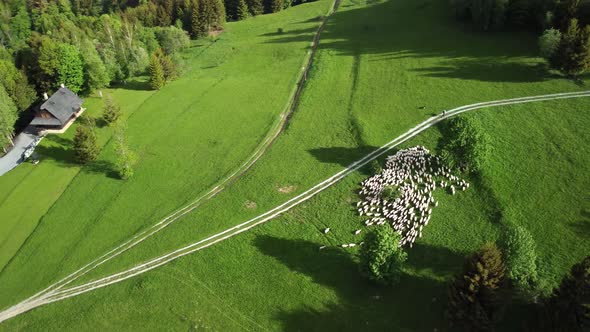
402, 193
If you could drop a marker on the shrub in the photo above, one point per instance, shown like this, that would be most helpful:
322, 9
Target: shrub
465, 146
376, 166
521, 258
126, 159
112, 111
568, 309
85, 146
474, 298
549, 42
381, 256
391, 193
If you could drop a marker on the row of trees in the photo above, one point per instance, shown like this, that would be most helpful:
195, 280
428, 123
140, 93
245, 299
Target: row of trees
86, 148
565, 42
45, 43
493, 275
491, 278
566, 45
528, 14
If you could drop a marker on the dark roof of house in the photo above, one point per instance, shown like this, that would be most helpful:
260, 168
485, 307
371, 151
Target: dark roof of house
40, 121
62, 105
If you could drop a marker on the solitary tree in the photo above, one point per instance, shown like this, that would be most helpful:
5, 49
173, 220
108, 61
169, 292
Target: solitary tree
157, 78
126, 159
521, 258
112, 111
381, 256
474, 297
568, 309
85, 145
466, 145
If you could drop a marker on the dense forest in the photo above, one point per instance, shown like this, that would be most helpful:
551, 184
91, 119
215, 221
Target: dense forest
91, 44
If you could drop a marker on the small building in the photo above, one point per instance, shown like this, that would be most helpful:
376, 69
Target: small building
58, 112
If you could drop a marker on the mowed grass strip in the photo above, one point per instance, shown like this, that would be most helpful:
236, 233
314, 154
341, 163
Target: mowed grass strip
372, 80
276, 278
274, 275
28, 191
191, 134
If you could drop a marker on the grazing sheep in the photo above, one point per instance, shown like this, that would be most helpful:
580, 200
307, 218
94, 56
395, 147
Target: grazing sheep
416, 174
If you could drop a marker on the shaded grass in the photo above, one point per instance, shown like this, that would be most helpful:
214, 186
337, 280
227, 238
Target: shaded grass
273, 278
29, 191
190, 135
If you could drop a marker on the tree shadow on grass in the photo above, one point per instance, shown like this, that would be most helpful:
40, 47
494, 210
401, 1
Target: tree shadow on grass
582, 226
416, 303
440, 261
489, 71
480, 184
406, 29
136, 84
62, 152
343, 156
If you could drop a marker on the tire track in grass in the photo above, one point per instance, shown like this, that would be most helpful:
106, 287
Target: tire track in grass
55, 294
262, 148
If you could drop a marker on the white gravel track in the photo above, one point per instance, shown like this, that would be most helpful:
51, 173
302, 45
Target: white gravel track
58, 291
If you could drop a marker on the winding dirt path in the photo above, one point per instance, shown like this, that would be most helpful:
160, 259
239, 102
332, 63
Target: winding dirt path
57, 292
266, 144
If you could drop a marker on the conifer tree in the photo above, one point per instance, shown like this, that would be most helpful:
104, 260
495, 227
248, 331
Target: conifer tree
195, 19
273, 6
168, 67
474, 295
572, 56
157, 79
568, 309
242, 10
85, 146
256, 7
205, 12
112, 111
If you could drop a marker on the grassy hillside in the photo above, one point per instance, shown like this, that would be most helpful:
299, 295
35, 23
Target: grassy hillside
371, 77
190, 135
29, 191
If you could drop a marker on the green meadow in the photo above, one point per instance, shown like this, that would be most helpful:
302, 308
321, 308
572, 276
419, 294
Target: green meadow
188, 136
382, 67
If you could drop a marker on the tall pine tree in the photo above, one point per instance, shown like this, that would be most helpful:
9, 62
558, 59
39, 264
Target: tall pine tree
157, 78
474, 295
572, 56
568, 309
256, 7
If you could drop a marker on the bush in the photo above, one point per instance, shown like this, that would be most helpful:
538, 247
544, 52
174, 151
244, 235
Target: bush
126, 159
381, 256
376, 166
474, 295
465, 145
519, 251
568, 309
549, 42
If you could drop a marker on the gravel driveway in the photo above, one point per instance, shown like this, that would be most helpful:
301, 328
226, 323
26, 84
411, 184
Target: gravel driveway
14, 157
